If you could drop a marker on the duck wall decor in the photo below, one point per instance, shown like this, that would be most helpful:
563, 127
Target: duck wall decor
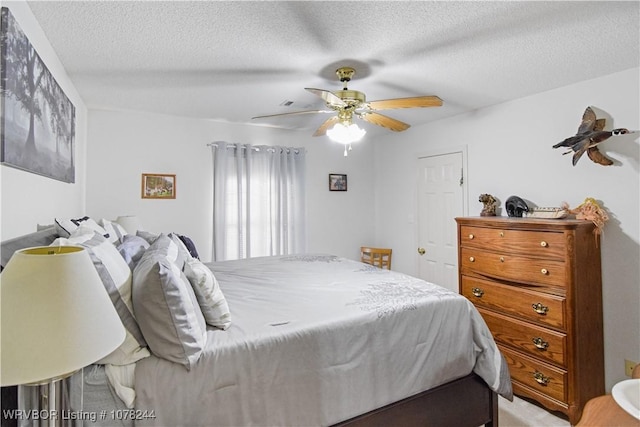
590, 134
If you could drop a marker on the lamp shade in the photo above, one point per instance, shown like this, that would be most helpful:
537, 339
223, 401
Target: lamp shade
131, 223
56, 315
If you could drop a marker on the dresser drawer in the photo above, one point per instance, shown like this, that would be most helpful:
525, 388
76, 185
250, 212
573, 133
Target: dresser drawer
534, 340
534, 243
536, 375
544, 309
514, 267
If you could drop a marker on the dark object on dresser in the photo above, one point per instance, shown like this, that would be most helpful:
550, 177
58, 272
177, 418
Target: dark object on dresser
515, 206
538, 285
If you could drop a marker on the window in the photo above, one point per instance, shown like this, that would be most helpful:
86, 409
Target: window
258, 201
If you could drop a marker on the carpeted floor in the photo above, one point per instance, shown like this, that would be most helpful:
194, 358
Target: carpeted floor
521, 413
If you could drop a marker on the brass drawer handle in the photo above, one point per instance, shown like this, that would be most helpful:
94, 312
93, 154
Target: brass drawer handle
501, 259
477, 292
544, 271
471, 236
539, 308
541, 378
472, 259
502, 234
540, 343
544, 244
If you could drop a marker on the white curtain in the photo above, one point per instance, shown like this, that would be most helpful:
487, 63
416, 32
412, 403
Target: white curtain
258, 201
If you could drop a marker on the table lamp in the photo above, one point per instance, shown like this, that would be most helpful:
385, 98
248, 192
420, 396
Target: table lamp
56, 318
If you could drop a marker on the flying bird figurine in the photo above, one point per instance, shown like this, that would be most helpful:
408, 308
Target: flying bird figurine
590, 134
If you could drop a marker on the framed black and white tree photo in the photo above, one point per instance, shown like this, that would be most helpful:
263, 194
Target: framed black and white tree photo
38, 119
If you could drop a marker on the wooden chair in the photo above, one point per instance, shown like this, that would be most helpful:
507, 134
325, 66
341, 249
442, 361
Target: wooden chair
380, 257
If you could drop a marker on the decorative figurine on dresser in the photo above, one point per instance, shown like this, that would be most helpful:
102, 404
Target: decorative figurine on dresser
489, 205
537, 283
515, 206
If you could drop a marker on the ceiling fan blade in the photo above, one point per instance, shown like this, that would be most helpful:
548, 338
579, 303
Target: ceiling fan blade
384, 121
414, 102
327, 96
322, 130
294, 113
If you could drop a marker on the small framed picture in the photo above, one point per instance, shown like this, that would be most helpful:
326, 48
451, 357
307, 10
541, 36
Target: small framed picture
337, 182
158, 186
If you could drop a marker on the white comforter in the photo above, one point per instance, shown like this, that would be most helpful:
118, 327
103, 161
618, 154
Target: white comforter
316, 339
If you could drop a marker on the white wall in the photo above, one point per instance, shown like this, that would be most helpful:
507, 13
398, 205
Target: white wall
123, 145
28, 199
509, 153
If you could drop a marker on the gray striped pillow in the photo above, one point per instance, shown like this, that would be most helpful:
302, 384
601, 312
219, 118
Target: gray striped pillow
116, 277
166, 306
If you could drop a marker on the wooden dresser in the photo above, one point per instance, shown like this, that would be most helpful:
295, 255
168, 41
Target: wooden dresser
537, 284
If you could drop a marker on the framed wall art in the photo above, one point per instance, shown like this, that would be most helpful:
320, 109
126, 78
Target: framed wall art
37, 124
337, 182
158, 186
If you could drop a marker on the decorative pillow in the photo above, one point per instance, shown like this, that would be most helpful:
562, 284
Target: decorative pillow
183, 253
166, 306
132, 248
210, 297
116, 277
115, 231
191, 247
65, 227
149, 237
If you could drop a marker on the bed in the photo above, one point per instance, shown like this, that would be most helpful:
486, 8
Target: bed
317, 339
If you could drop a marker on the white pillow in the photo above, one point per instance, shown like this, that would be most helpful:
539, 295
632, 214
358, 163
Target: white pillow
116, 278
132, 248
114, 230
183, 254
210, 297
66, 226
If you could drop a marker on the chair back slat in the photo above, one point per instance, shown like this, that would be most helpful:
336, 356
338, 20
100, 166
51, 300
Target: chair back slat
380, 257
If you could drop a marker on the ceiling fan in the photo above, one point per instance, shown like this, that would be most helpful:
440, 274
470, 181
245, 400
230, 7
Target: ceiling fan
348, 103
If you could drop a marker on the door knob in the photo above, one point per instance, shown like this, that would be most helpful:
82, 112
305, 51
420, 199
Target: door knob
421, 251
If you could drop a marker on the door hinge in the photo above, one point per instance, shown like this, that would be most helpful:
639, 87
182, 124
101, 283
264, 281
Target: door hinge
461, 177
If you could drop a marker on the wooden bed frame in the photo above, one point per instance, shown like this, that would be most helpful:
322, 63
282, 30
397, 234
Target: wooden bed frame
465, 402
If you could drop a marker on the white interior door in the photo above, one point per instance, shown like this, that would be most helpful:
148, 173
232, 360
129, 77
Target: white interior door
440, 200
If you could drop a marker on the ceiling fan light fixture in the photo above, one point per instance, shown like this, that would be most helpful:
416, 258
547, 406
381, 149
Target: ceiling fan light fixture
346, 103
346, 133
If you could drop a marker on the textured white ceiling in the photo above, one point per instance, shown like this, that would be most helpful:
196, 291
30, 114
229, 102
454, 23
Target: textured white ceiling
233, 60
